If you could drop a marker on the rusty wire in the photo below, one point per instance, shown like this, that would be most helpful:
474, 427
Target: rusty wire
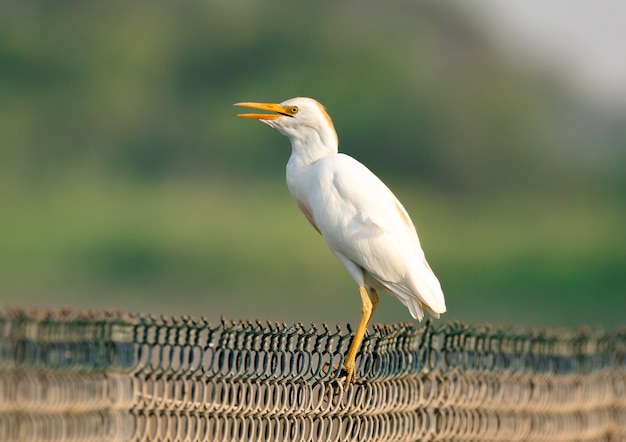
109, 376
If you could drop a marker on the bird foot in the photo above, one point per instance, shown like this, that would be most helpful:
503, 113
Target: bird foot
349, 371
346, 377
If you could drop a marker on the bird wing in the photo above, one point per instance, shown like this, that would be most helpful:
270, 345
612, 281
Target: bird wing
360, 218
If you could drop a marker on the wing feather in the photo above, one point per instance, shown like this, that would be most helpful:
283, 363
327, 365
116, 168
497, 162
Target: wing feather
359, 217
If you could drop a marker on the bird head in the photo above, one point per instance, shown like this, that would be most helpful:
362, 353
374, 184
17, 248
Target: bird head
303, 120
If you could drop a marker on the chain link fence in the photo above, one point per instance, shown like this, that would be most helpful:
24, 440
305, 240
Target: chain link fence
108, 376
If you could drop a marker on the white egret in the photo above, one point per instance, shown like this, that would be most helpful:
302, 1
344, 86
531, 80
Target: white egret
361, 220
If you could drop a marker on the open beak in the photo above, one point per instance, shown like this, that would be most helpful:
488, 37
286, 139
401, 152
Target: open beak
279, 111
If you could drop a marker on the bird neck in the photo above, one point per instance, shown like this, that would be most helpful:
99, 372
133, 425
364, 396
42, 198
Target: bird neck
307, 147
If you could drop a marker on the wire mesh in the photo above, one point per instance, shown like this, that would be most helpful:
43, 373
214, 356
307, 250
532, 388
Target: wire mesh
109, 376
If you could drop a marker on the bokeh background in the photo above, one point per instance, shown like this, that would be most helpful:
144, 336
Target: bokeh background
125, 182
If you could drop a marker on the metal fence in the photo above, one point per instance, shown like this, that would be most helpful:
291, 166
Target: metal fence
108, 376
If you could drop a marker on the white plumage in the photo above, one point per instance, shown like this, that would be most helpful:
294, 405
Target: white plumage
361, 220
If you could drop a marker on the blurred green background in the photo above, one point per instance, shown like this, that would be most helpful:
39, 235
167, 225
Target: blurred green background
125, 182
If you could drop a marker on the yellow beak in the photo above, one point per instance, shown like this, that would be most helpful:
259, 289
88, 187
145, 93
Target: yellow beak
279, 110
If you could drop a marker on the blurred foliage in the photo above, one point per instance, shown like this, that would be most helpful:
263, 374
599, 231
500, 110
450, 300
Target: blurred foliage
126, 181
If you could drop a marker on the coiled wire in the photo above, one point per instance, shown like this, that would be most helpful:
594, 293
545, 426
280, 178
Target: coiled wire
110, 376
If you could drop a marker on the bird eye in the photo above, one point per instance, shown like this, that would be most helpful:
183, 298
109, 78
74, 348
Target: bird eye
293, 110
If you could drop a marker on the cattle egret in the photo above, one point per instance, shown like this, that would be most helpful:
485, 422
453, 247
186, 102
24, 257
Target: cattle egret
361, 220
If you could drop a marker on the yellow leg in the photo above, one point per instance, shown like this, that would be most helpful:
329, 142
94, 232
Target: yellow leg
369, 301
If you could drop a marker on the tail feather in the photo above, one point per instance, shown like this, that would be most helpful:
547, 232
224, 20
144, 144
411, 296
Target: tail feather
414, 306
416, 301
419, 292
427, 287
428, 291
